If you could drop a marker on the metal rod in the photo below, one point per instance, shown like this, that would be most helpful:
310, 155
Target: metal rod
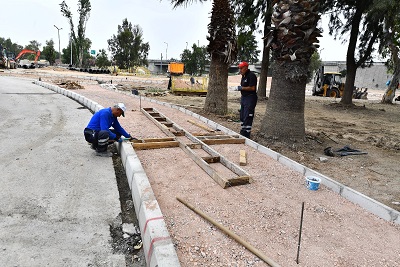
301, 227
231, 234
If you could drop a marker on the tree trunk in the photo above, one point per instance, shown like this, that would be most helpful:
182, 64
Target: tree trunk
217, 94
262, 85
284, 116
390, 92
351, 66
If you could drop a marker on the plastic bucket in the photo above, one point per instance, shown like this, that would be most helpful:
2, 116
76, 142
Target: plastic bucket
313, 182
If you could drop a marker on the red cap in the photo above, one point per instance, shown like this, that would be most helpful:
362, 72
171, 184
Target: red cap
243, 64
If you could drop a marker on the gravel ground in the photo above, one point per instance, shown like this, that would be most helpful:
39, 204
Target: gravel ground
265, 213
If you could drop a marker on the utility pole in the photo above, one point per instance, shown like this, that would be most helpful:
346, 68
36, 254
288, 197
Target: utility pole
161, 64
70, 43
59, 51
166, 51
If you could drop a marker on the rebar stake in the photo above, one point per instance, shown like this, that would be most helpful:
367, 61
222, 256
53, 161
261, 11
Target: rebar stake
301, 227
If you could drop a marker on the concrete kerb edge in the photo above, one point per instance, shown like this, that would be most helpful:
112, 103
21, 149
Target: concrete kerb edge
157, 243
369, 204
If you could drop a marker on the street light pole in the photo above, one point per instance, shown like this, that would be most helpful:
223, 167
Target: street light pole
166, 51
70, 43
59, 51
186, 45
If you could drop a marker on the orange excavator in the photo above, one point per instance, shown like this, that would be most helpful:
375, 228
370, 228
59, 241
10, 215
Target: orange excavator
27, 51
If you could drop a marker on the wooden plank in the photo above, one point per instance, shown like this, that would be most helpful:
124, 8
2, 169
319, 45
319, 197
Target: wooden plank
219, 136
205, 166
211, 159
158, 139
155, 145
201, 126
243, 158
194, 145
224, 141
168, 124
240, 180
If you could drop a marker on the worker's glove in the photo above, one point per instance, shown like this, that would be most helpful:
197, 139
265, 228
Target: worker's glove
120, 140
239, 88
131, 138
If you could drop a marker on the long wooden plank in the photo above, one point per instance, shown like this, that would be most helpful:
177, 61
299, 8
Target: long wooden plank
224, 141
201, 126
155, 145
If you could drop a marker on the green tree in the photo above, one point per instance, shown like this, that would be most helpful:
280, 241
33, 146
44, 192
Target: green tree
347, 16
247, 47
196, 60
80, 41
10, 46
315, 64
66, 54
127, 47
223, 50
102, 59
49, 52
249, 14
390, 45
33, 45
293, 40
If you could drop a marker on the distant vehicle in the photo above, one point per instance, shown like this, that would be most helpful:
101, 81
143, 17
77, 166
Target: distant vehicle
27, 51
328, 84
7, 60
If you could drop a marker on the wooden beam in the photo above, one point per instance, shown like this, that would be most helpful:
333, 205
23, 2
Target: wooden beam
211, 159
155, 145
224, 141
201, 126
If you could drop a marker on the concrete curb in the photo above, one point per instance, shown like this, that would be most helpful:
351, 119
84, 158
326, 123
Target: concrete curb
157, 243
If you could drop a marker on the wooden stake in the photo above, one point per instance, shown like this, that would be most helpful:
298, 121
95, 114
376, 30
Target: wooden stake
243, 158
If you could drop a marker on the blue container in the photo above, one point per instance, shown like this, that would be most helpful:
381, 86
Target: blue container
313, 182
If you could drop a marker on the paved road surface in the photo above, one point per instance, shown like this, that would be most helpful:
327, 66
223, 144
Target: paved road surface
56, 197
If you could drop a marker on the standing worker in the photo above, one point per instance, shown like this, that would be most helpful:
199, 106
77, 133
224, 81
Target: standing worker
248, 100
98, 131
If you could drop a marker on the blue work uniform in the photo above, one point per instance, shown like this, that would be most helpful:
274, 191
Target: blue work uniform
98, 131
248, 103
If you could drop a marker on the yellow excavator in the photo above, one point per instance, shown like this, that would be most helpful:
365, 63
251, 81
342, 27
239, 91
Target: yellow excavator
328, 84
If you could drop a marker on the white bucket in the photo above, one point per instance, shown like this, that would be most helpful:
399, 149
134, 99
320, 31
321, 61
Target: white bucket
313, 182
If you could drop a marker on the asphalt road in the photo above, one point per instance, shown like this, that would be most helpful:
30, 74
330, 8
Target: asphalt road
57, 198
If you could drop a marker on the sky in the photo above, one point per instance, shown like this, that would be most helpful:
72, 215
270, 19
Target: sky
167, 30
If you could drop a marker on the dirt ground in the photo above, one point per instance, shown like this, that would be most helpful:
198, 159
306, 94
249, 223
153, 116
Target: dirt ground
266, 212
369, 127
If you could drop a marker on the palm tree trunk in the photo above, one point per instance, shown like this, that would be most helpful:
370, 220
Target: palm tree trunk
284, 116
217, 94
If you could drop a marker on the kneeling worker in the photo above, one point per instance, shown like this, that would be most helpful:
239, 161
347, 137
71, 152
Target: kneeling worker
98, 131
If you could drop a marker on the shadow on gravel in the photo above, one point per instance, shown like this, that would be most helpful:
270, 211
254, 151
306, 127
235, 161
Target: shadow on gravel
124, 230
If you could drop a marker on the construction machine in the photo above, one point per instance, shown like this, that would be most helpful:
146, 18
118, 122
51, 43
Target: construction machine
28, 51
182, 84
7, 60
328, 84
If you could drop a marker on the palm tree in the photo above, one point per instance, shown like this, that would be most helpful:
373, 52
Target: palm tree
293, 40
223, 51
